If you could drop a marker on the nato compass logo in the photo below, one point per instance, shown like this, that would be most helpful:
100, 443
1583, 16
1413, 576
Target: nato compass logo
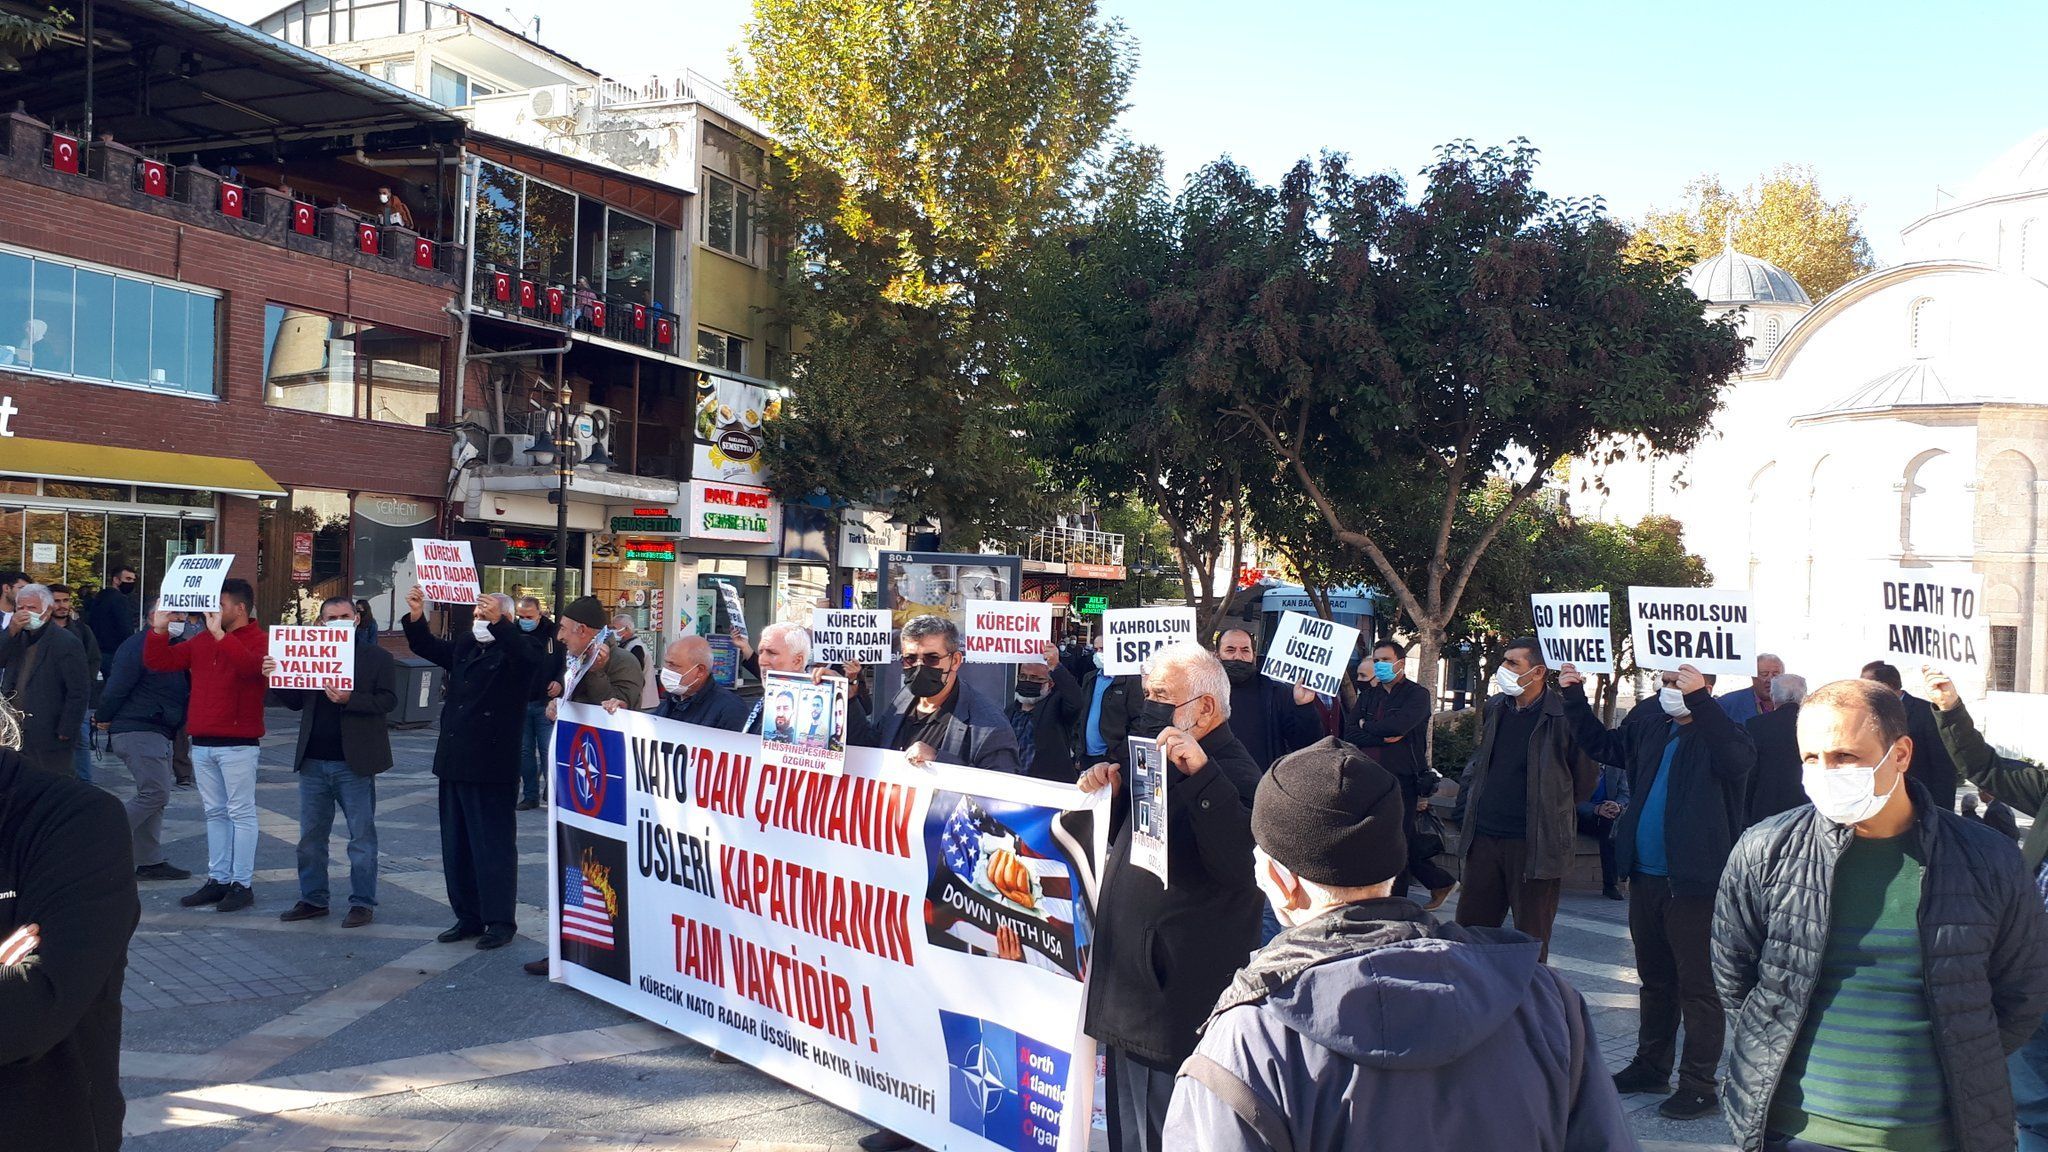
1004, 1087
590, 777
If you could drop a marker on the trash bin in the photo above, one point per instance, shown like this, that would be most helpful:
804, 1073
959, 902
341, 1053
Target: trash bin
419, 692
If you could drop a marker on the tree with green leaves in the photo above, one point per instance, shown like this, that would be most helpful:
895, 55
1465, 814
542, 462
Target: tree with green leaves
21, 34
921, 145
1783, 217
1393, 355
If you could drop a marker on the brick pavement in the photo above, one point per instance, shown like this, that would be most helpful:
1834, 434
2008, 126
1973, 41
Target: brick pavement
245, 1033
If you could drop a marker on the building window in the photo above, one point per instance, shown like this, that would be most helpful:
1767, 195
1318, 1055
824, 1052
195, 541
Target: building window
74, 320
721, 351
2005, 658
728, 217
452, 89
1771, 333
313, 362
1926, 331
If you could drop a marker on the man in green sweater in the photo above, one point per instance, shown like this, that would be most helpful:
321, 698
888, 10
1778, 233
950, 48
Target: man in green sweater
2024, 786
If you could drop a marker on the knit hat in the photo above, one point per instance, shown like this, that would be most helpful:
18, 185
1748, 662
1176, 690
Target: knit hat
1332, 816
585, 610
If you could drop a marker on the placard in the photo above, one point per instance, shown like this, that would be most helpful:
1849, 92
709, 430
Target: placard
1708, 628
192, 582
1131, 635
1575, 628
1006, 632
851, 636
910, 944
803, 725
1148, 806
446, 571
1308, 650
320, 656
725, 660
735, 608
1937, 619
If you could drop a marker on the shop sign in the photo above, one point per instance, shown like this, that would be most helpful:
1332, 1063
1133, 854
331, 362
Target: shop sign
864, 533
661, 550
7, 414
1095, 571
1090, 605
737, 512
729, 433
302, 557
639, 523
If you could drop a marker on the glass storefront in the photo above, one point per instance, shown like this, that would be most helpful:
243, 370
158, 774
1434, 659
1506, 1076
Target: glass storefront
61, 532
316, 543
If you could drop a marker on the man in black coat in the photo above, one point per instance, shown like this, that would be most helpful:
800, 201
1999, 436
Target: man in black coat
934, 715
141, 712
1389, 722
538, 632
1270, 719
44, 673
690, 693
1165, 951
114, 617
1931, 768
1775, 785
490, 672
1047, 706
344, 744
1688, 769
67, 911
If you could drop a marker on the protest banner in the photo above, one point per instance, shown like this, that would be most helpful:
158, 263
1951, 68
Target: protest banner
192, 582
1708, 628
1575, 628
1306, 650
1131, 635
851, 636
446, 571
906, 943
316, 657
1148, 806
1006, 632
803, 725
1925, 618
735, 609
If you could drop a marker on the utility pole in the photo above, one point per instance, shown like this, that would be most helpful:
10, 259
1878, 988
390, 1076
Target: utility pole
565, 470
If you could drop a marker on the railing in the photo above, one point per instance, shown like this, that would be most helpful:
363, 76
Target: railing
1073, 546
530, 295
691, 86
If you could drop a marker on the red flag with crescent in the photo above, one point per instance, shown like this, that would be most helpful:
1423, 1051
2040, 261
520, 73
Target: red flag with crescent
64, 153
232, 197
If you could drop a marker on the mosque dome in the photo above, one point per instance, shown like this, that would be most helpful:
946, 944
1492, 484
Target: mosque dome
1730, 278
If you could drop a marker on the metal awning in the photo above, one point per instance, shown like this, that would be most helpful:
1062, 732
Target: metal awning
94, 463
171, 77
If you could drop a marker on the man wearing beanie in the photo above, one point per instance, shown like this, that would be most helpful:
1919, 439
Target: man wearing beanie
1164, 950
593, 671
1339, 1032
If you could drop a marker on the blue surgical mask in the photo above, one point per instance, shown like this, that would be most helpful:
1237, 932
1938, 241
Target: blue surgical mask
1383, 671
526, 625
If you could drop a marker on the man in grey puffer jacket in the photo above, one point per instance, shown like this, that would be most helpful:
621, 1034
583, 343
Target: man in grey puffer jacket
1341, 1030
1878, 956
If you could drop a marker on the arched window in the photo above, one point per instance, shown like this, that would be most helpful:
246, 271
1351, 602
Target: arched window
1925, 328
1771, 333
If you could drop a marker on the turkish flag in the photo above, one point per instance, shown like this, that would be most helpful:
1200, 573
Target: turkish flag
639, 317
304, 221
231, 199
422, 252
597, 314
554, 300
529, 294
64, 153
368, 238
156, 178
501, 286
664, 331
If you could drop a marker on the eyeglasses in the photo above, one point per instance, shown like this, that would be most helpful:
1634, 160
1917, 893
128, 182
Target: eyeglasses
928, 659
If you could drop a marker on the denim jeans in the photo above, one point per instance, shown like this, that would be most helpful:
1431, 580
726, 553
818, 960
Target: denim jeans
81, 755
533, 749
2028, 1068
227, 793
322, 785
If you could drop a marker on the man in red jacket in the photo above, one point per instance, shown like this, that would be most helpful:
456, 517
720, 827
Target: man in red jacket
225, 718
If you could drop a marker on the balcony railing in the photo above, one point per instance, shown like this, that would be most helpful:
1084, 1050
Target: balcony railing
1073, 546
530, 295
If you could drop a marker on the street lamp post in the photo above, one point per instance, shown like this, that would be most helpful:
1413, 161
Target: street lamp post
565, 469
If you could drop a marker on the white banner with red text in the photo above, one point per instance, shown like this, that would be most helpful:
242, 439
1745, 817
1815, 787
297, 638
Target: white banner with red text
910, 944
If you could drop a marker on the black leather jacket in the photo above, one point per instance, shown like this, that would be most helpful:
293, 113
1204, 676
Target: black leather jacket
1983, 941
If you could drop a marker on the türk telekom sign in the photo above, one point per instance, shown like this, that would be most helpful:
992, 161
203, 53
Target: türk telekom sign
7, 414
737, 512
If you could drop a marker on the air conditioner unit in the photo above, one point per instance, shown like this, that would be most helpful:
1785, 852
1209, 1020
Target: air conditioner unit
554, 102
510, 450
592, 430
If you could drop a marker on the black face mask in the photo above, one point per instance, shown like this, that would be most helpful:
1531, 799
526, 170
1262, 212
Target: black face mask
1154, 717
1240, 671
1030, 688
925, 681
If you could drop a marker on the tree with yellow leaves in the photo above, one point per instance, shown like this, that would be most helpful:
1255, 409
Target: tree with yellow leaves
1782, 217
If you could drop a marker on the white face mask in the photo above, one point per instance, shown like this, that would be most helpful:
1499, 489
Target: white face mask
672, 681
1506, 680
1672, 700
1845, 795
481, 631
32, 620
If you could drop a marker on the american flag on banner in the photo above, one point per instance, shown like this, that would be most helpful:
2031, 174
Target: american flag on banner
970, 838
587, 919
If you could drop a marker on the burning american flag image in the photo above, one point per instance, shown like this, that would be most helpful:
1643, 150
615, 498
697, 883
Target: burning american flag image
593, 927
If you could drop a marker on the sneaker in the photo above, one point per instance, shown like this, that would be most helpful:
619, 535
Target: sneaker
496, 937
1640, 1077
162, 870
1689, 1104
211, 892
1437, 896
357, 917
527, 805
302, 911
459, 932
238, 898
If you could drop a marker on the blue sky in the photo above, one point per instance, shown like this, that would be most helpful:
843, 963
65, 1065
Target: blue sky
1886, 98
